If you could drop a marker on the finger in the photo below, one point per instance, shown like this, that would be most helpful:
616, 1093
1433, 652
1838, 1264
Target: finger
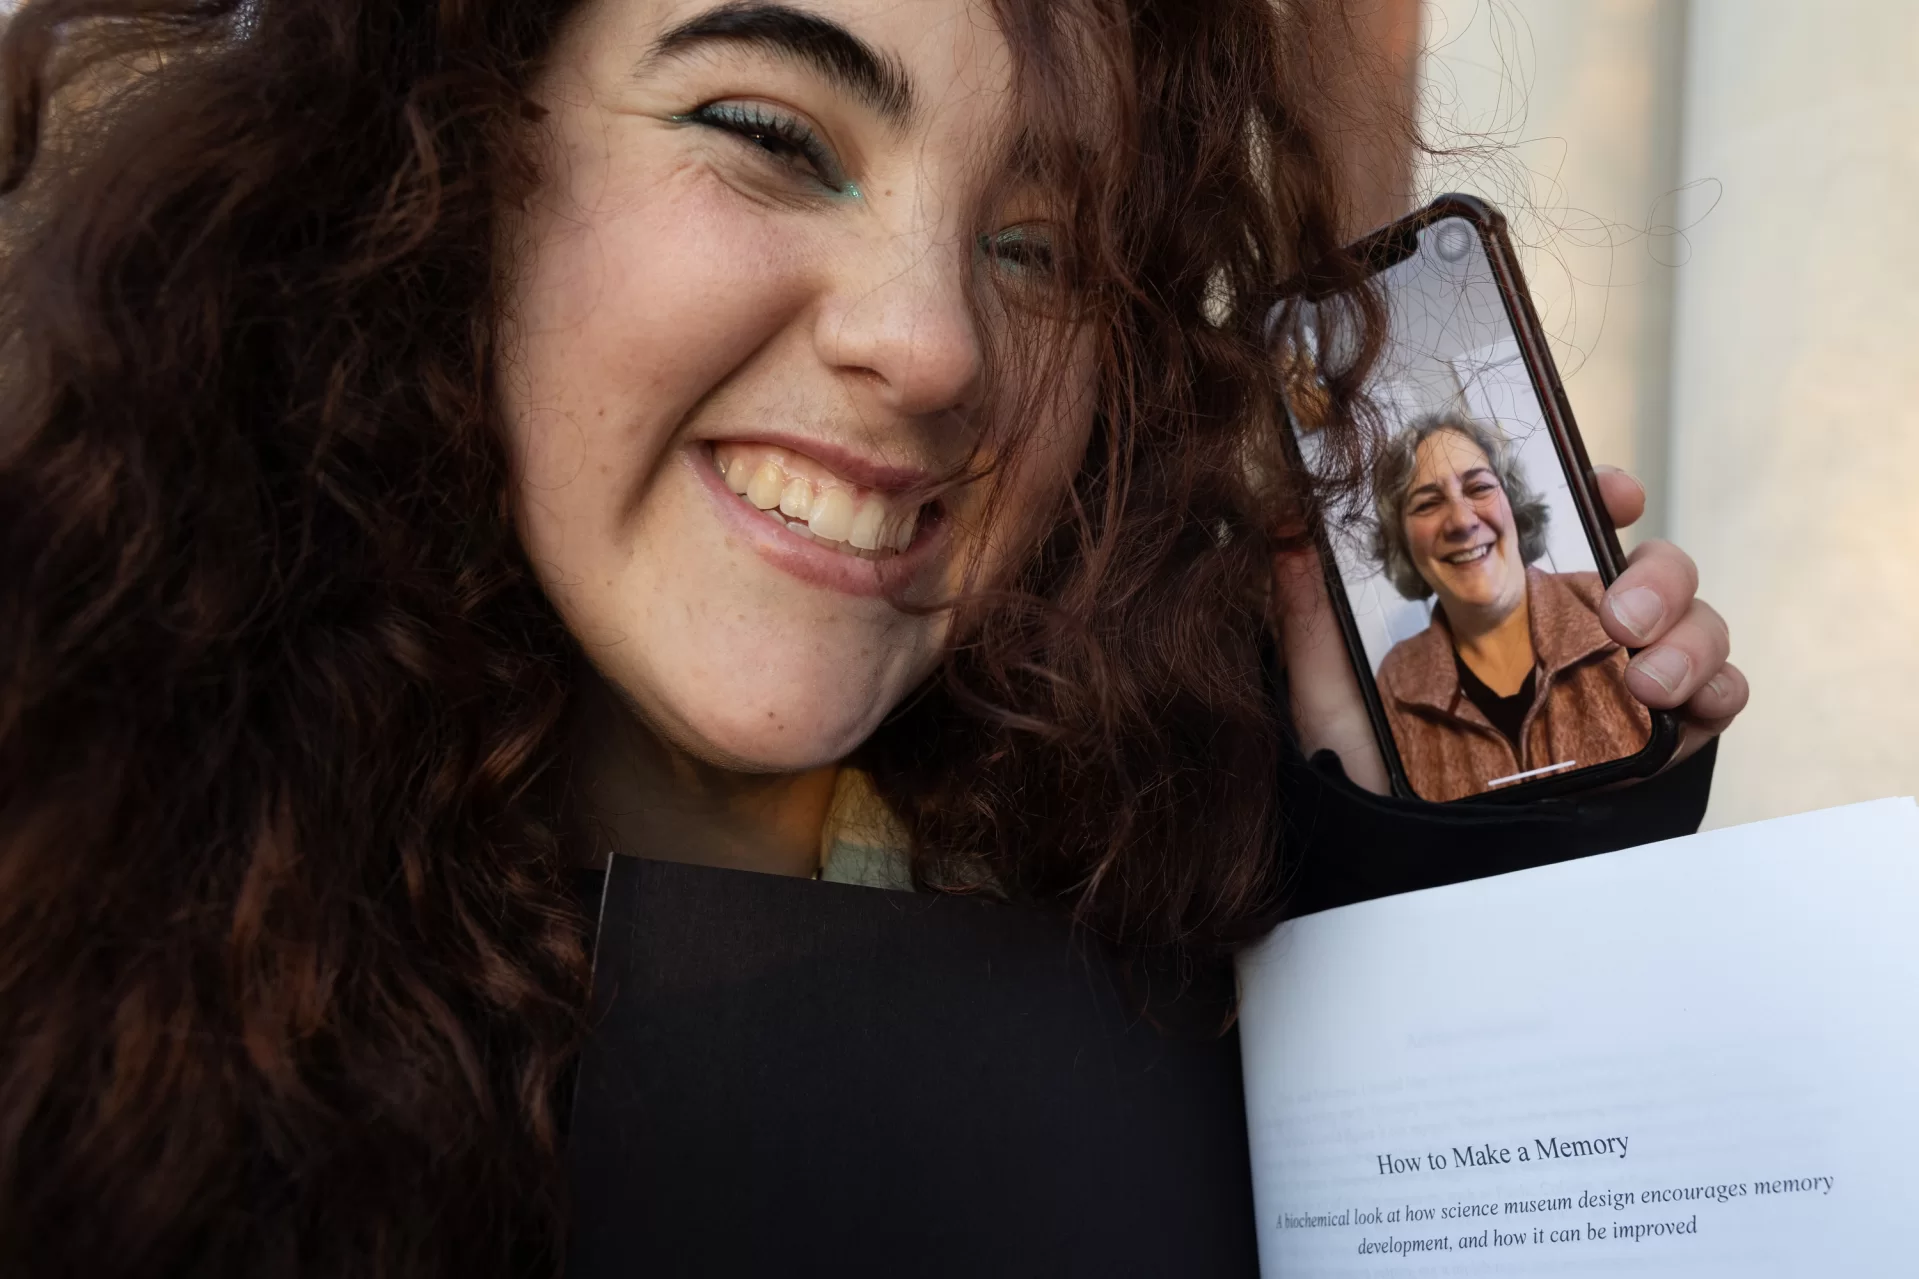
1318, 671
1711, 709
1329, 712
1686, 658
1624, 496
1721, 698
1651, 595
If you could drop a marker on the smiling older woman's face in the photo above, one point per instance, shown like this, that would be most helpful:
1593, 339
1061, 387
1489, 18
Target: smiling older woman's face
738, 331
1459, 528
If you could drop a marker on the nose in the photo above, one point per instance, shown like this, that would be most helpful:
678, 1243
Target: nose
899, 321
1462, 519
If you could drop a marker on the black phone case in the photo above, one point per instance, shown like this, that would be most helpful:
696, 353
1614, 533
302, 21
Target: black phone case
1385, 247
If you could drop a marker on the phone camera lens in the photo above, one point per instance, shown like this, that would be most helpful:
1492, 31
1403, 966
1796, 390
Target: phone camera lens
1453, 241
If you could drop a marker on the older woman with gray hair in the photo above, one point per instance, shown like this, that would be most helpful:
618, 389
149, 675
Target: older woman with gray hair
1514, 677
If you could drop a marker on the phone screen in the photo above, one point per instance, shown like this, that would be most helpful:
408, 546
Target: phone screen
1471, 582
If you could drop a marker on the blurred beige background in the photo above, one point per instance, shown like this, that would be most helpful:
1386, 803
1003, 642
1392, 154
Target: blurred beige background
1718, 202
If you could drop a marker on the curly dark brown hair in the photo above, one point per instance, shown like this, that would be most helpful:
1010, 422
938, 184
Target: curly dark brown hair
288, 971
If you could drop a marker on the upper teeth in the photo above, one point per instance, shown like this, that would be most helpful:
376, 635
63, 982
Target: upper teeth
1467, 557
829, 511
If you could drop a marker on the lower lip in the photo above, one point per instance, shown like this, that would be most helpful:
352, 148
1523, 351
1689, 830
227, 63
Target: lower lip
815, 563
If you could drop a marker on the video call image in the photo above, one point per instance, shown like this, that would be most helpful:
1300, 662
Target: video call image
1469, 575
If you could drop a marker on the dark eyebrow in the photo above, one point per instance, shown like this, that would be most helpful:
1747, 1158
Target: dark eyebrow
826, 46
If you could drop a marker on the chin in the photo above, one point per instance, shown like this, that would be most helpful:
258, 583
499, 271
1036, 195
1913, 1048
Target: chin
774, 734
1450, 586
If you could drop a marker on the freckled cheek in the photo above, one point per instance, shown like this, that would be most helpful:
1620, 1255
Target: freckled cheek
625, 319
658, 289
1008, 521
1044, 466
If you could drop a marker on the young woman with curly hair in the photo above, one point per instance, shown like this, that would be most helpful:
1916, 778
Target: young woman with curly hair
445, 442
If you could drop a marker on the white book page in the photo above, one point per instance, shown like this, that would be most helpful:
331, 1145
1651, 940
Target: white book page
1699, 1057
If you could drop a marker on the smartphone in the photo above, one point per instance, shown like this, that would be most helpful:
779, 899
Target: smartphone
1469, 565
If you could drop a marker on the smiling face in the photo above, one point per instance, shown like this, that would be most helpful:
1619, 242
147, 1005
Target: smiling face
1459, 529
738, 336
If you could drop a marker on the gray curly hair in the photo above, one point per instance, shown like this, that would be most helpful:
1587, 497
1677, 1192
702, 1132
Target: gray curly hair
1393, 473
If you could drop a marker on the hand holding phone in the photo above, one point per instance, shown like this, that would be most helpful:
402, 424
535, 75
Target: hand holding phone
1468, 647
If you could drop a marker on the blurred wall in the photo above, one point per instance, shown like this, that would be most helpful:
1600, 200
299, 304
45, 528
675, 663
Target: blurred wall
1795, 419
1564, 115
1717, 201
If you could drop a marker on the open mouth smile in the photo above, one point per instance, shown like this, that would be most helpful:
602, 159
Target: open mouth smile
831, 518
807, 499
1471, 555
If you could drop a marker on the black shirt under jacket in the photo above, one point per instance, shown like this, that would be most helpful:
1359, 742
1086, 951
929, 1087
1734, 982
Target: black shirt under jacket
797, 1078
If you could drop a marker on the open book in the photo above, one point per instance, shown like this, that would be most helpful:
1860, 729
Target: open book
1699, 1057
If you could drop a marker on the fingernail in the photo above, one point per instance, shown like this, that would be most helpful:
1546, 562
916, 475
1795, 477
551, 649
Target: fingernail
1719, 686
1666, 667
1638, 610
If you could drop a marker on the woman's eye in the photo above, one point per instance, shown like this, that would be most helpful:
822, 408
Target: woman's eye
1022, 250
783, 137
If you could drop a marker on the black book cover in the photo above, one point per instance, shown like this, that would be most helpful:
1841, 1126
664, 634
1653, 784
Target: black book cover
791, 1077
